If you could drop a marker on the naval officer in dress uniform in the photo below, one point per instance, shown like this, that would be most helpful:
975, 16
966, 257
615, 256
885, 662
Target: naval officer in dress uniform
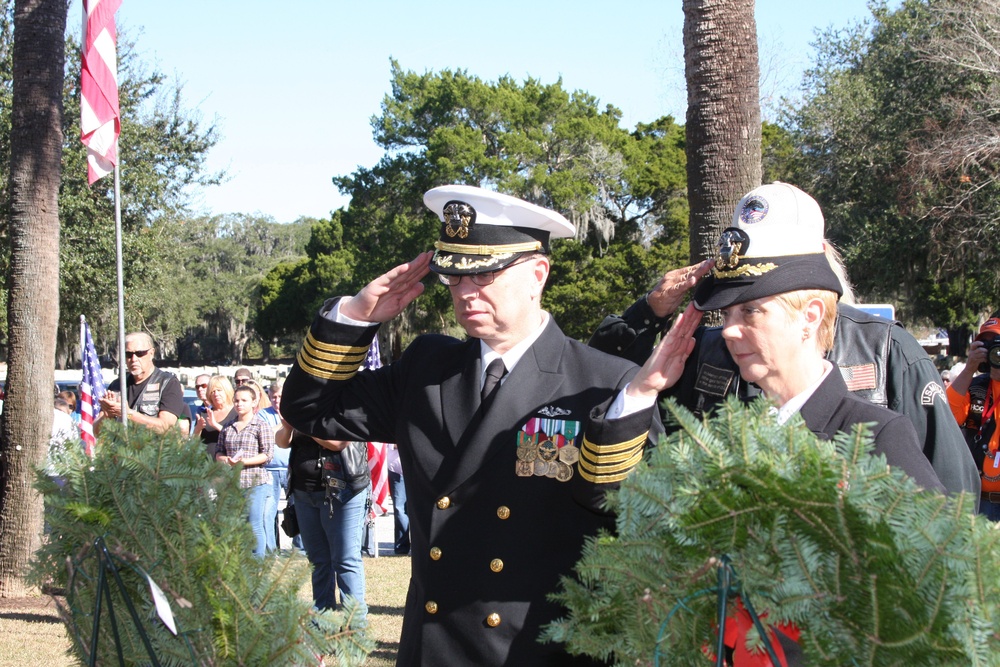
508, 439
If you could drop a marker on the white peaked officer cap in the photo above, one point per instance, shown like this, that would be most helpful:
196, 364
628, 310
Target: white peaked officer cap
485, 231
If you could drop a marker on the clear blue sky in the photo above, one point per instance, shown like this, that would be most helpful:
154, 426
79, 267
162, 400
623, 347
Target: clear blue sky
293, 85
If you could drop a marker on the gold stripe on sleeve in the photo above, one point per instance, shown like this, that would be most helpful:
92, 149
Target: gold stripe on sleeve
330, 362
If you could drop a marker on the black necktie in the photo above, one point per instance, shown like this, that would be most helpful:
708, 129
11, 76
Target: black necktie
494, 372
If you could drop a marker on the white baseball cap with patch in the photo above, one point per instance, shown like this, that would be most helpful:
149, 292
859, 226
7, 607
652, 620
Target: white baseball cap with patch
775, 245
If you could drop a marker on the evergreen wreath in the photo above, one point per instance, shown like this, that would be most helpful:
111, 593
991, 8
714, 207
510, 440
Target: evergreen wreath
157, 508
821, 535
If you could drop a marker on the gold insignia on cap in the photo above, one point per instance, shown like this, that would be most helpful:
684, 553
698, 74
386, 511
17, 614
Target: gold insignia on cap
466, 264
459, 214
746, 270
732, 243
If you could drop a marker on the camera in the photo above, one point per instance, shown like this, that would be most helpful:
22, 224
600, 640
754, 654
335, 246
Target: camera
992, 355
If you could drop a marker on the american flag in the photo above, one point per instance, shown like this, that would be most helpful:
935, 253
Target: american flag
859, 378
377, 451
100, 124
91, 389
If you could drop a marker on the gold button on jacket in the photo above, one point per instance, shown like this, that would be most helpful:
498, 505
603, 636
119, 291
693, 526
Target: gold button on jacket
496, 564
435, 553
503, 512
493, 620
444, 503
431, 606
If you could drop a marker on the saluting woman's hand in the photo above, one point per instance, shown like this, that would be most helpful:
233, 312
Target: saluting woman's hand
666, 365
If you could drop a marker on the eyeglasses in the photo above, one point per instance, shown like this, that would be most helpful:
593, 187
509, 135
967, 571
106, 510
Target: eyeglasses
479, 279
242, 380
201, 386
136, 353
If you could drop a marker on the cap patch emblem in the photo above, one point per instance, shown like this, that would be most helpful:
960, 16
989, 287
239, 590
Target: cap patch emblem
732, 244
457, 218
754, 210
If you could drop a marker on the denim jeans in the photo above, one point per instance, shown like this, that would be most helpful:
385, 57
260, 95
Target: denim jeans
258, 498
333, 546
401, 522
989, 509
279, 477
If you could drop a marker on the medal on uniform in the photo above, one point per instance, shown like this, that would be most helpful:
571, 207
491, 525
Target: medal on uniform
540, 468
547, 450
524, 468
527, 447
564, 472
569, 454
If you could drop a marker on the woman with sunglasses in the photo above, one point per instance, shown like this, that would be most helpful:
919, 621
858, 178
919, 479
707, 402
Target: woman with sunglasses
217, 413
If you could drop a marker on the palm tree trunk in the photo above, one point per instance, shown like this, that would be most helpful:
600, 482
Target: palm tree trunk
723, 114
33, 300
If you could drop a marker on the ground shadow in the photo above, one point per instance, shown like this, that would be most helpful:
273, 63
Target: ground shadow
386, 611
30, 618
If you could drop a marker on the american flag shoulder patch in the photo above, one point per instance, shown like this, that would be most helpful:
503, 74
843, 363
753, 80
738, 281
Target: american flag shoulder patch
859, 377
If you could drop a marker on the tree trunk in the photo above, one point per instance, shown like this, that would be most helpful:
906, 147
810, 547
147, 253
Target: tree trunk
33, 300
723, 115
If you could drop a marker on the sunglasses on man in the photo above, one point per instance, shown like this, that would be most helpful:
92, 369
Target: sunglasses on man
136, 353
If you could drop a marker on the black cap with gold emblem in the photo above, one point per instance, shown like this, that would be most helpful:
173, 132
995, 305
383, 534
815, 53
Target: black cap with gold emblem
775, 245
485, 231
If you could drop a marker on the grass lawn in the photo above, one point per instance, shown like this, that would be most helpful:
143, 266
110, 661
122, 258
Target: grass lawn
31, 633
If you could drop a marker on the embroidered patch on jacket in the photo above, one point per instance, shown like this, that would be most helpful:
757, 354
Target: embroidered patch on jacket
859, 377
713, 380
547, 447
930, 393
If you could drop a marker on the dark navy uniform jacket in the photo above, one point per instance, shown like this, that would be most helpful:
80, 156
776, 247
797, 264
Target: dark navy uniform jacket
488, 545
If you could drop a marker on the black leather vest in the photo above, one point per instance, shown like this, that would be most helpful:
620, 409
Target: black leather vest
148, 402
861, 351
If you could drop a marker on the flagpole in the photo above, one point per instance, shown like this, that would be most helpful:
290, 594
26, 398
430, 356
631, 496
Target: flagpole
122, 386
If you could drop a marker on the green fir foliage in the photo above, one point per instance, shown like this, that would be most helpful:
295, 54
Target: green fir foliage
872, 569
166, 511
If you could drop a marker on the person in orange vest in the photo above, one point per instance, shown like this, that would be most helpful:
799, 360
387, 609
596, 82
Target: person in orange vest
973, 396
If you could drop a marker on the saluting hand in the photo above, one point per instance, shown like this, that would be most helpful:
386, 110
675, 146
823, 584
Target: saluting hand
386, 296
666, 365
668, 293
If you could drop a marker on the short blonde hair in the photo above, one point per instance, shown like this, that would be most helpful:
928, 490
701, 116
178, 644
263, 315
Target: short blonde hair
223, 383
795, 302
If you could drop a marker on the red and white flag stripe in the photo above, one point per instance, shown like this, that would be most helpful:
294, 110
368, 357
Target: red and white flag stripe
378, 465
99, 118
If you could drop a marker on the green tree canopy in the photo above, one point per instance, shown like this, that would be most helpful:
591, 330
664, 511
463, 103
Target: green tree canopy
913, 218
624, 190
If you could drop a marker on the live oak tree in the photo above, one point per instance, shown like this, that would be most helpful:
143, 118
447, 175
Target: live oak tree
33, 278
624, 190
163, 147
896, 139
